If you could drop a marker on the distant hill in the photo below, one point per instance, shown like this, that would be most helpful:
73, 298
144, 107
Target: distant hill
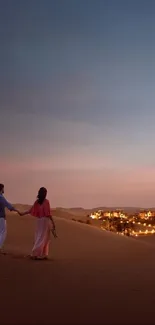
79, 213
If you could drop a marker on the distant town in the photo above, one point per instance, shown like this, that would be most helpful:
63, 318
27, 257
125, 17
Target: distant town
120, 222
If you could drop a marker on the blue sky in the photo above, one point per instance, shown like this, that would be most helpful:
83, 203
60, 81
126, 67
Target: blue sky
77, 98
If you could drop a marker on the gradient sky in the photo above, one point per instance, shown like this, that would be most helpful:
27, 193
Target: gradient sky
77, 101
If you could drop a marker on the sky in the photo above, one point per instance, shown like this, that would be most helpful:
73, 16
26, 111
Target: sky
77, 103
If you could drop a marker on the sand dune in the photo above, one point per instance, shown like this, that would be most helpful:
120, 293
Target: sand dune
93, 277
73, 213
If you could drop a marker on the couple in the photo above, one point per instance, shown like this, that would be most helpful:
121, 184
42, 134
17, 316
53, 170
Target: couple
40, 210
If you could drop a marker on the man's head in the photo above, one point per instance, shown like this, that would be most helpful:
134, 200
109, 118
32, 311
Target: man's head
1, 188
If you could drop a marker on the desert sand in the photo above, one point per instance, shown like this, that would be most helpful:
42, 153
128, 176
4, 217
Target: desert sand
92, 277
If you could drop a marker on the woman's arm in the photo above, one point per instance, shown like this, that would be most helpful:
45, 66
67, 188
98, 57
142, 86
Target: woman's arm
53, 228
53, 224
48, 213
51, 218
25, 212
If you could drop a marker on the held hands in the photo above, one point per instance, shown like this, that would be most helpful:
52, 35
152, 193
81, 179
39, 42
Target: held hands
20, 213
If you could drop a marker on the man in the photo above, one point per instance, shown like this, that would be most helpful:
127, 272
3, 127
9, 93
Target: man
4, 204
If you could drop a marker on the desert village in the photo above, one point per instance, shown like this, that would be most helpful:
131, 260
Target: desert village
120, 222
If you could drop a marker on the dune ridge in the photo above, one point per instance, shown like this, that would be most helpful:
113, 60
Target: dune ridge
92, 277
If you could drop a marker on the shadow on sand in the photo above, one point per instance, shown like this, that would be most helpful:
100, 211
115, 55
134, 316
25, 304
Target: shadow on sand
23, 256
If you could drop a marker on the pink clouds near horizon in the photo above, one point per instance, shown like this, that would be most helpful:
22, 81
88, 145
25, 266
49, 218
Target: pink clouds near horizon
87, 187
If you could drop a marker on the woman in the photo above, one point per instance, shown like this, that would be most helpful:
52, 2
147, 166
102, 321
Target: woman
41, 210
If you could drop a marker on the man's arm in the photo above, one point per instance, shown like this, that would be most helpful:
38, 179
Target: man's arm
9, 206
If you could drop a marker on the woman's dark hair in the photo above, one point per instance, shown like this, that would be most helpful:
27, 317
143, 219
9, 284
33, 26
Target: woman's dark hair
41, 195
